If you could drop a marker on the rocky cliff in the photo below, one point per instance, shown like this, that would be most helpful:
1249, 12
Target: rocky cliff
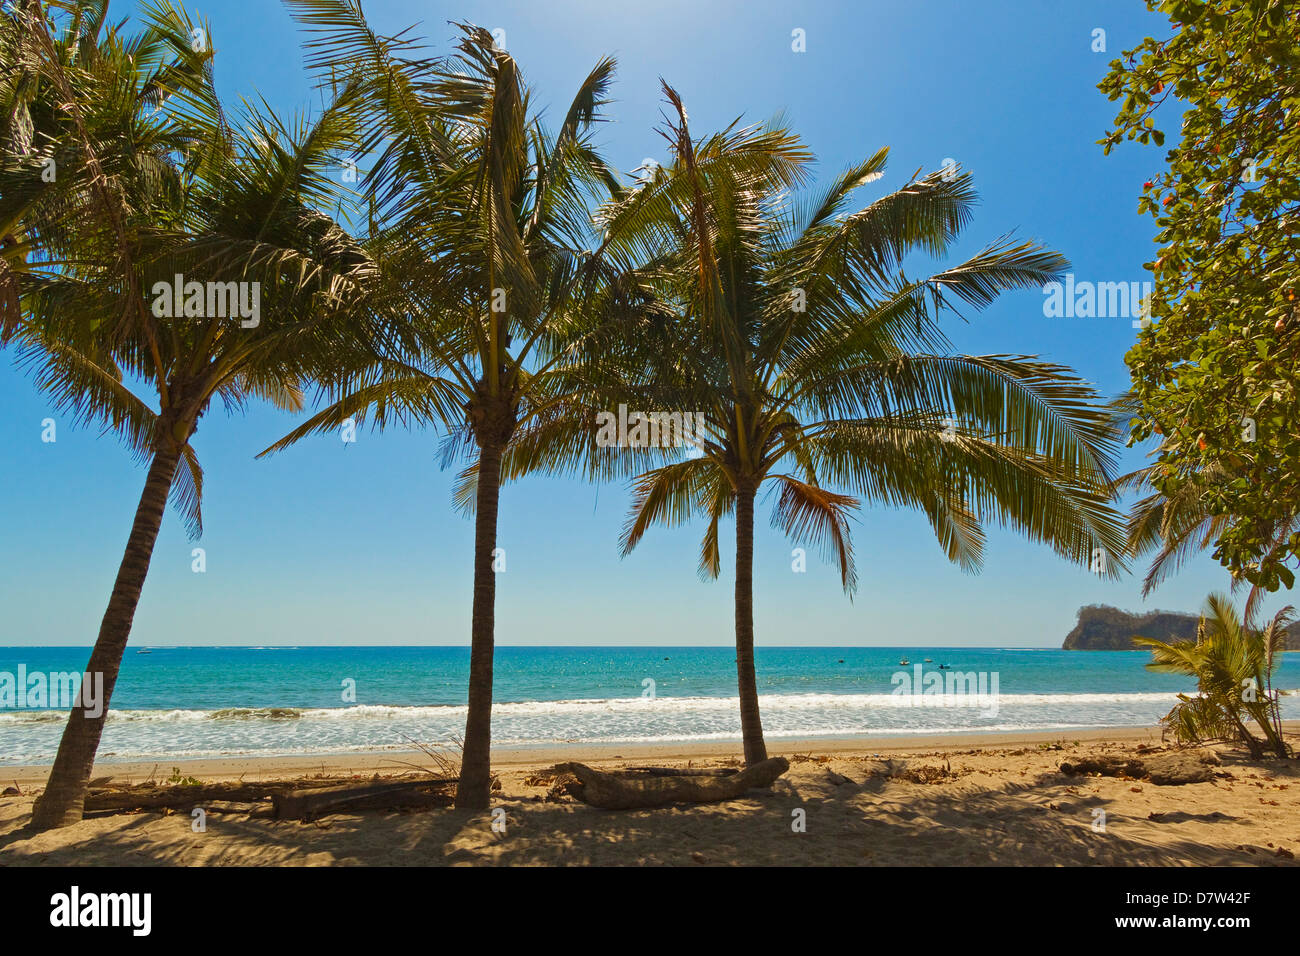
1104, 628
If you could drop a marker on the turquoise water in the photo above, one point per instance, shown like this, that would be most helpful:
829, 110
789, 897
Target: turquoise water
190, 702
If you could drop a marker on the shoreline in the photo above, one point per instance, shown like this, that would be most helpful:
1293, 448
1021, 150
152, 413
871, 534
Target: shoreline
398, 761
967, 799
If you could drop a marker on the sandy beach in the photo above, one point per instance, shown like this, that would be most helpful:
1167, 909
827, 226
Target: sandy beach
959, 800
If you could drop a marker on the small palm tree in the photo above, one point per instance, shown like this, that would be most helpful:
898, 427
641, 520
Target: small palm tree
167, 188
1233, 664
479, 224
817, 362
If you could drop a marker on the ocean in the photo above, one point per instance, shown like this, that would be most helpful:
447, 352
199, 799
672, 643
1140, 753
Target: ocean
180, 702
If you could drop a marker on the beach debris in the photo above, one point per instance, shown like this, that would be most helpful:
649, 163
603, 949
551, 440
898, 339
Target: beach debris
559, 791
279, 798
1179, 767
1163, 769
311, 804
12, 791
1105, 765
630, 790
924, 774
685, 771
151, 796
237, 806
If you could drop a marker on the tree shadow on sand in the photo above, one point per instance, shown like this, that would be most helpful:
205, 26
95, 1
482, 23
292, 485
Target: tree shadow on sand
813, 817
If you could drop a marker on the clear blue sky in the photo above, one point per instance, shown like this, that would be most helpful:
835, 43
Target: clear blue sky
358, 544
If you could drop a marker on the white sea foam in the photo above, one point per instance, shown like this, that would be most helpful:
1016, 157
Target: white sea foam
33, 736
542, 708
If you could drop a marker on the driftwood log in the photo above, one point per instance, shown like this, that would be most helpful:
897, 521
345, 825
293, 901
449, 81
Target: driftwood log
1106, 765
179, 797
612, 791
1163, 769
686, 772
310, 804
283, 799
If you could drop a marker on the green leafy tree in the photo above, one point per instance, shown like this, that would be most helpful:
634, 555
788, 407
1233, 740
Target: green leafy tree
1234, 665
155, 182
1215, 375
817, 364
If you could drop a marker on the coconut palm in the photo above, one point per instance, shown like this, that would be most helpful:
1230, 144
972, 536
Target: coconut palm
1233, 664
168, 187
44, 180
480, 219
819, 365
1172, 528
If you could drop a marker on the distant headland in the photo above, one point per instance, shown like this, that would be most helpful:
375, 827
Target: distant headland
1101, 627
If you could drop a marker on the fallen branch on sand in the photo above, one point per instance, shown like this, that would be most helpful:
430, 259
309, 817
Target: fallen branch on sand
613, 791
686, 771
152, 797
1167, 769
310, 804
283, 799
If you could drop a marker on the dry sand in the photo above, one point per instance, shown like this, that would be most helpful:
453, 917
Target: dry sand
998, 800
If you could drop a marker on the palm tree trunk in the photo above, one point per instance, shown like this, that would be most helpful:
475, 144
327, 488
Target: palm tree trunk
65, 792
1250, 740
751, 726
1274, 711
1263, 714
475, 768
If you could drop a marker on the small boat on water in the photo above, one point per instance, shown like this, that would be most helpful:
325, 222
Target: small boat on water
929, 660
144, 650
904, 662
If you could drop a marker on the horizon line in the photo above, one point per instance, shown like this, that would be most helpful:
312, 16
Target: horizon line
1008, 647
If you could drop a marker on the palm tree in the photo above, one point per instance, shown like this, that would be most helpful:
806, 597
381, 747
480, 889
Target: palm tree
479, 222
1233, 664
170, 189
817, 362
1174, 527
